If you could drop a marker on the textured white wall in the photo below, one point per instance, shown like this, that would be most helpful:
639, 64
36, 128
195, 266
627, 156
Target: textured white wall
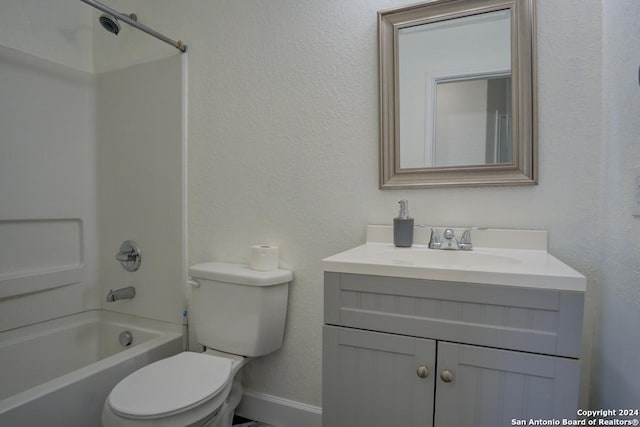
60, 31
283, 146
616, 381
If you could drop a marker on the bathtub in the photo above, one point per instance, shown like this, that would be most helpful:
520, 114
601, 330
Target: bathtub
59, 373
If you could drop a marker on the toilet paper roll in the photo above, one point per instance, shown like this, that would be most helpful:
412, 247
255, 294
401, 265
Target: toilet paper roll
264, 258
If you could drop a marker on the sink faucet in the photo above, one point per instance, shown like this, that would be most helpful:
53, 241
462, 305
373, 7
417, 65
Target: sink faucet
435, 242
450, 242
122, 293
465, 241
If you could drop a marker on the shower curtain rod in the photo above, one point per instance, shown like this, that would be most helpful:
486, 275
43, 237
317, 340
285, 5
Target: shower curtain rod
122, 17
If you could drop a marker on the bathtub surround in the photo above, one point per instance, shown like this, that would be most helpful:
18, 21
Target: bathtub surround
53, 149
48, 229
141, 185
47, 159
49, 217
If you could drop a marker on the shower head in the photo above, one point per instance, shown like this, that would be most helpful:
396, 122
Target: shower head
111, 24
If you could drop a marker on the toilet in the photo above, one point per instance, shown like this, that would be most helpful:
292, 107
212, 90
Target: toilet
237, 313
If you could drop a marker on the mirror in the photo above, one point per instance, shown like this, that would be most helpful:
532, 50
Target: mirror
457, 99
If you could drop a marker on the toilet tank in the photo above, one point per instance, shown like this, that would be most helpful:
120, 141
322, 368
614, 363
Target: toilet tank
238, 310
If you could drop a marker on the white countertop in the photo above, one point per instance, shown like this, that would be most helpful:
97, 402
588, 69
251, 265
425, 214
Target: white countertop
532, 268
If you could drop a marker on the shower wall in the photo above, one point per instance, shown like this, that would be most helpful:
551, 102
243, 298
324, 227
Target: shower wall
50, 164
48, 233
141, 184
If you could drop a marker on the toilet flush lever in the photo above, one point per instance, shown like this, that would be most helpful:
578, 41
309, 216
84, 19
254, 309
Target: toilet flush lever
193, 283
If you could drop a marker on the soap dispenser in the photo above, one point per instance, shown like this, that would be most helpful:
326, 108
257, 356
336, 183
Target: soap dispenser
403, 227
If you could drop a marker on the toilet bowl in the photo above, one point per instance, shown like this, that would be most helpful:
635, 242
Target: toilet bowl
188, 389
239, 312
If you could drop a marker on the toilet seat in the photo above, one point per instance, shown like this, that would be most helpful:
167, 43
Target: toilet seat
171, 386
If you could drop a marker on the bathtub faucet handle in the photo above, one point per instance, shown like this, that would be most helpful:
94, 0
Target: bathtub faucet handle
126, 255
129, 255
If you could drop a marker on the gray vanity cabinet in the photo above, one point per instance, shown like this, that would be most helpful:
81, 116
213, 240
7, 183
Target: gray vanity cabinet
490, 353
371, 379
490, 387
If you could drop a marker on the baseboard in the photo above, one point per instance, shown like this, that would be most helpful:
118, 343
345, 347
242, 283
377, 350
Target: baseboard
277, 411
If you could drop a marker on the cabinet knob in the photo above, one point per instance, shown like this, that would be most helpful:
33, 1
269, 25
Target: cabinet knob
422, 371
446, 376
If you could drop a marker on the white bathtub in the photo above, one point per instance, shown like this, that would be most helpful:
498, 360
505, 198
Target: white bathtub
58, 373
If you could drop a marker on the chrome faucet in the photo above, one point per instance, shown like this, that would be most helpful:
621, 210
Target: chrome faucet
434, 241
465, 241
450, 242
122, 293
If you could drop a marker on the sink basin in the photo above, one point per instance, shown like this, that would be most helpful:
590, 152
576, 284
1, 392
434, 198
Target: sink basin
499, 257
441, 258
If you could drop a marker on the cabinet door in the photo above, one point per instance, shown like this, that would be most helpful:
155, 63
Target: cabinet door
491, 387
371, 379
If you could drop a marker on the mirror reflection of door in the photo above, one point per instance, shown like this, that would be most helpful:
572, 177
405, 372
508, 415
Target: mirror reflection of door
472, 122
455, 92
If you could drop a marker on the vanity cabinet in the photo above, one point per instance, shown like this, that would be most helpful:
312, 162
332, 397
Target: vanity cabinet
371, 379
417, 352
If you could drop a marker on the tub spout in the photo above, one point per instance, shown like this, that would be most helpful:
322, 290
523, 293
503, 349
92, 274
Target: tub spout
122, 293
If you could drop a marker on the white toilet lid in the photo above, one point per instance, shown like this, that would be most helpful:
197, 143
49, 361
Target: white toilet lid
170, 385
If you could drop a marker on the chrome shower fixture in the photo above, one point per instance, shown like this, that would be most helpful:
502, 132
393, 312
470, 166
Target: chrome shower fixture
111, 18
111, 24
129, 256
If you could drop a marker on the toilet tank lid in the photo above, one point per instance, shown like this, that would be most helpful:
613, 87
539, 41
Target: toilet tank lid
239, 273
